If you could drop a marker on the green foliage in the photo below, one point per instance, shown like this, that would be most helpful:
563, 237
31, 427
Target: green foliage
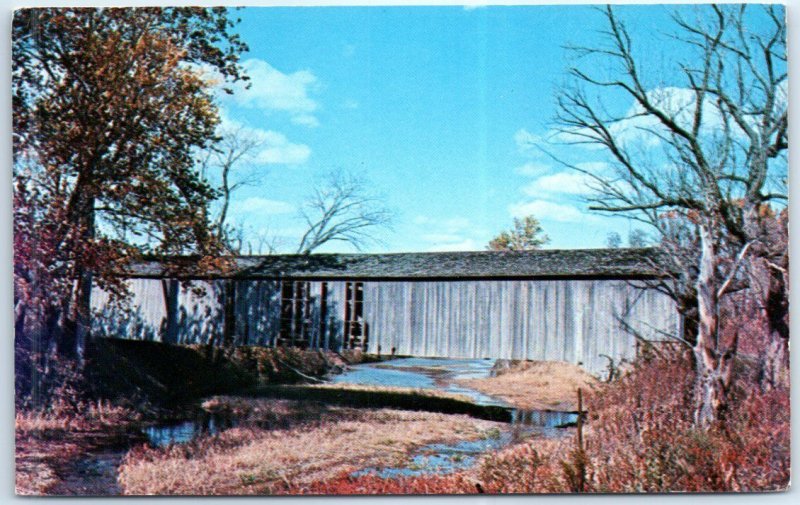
526, 235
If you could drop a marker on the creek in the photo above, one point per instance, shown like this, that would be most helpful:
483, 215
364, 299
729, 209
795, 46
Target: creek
96, 472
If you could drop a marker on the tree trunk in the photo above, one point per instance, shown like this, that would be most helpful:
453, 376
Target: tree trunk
776, 306
775, 366
170, 289
229, 320
712, 368
75, 324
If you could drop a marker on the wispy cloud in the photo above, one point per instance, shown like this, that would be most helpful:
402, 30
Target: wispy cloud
447, 234
526, 141
273, 90
350, 104
263, 206
463, 245
561, 183
278, 150
546, 210
645, 130
533, 169
273, 148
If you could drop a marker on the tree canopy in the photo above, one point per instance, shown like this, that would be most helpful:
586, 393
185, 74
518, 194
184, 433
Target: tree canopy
109, 109
526, 235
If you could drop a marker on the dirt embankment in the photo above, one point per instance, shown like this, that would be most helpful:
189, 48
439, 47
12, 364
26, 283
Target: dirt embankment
535, 385
140, 374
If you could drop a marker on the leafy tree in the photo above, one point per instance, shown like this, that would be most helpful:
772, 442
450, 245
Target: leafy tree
701, 153
108, 112
526, 235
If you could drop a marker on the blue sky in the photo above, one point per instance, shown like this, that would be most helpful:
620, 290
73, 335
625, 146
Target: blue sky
435, 106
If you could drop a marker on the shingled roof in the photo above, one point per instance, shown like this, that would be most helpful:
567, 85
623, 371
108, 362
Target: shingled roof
548, 263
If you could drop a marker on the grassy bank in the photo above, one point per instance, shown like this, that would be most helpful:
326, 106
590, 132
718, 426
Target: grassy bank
125, 383
535, 385
319, 443
47, 443
376, 397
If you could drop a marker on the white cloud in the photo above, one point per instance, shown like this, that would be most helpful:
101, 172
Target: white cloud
447, 225
596, 167
533, 168
645, 130
278, 150
306, 120
441, 237
526, 140
272, 90
258, 205
274, 147
549, 211
447, 234
565, 183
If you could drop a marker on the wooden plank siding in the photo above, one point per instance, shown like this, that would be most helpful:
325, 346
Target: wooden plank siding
568, 320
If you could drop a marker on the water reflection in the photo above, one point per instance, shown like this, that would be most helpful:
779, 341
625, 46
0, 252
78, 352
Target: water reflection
418, 373
204, 423
440, 374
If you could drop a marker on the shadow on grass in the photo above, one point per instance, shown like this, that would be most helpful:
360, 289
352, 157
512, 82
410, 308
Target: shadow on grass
376, 398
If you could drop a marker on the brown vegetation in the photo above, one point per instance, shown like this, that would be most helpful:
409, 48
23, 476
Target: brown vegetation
640, 437
46, 443
535, 385
322, 443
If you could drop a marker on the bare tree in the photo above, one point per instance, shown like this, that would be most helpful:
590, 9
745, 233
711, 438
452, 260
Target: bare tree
228, 159
706, 150
342, 208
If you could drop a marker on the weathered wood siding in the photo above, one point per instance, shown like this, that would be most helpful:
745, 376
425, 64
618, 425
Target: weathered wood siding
570, 320
575, 321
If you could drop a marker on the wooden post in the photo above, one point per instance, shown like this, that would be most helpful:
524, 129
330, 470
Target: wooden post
580, 420
581, 455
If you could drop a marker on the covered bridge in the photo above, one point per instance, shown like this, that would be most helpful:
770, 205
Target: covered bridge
569, 305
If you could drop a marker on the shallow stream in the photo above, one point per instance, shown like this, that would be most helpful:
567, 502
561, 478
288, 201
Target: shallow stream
417, 373
96, 473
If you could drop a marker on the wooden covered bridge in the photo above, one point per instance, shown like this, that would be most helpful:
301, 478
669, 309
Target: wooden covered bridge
569, 305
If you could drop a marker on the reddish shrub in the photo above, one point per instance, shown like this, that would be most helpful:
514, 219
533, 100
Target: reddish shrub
371, 484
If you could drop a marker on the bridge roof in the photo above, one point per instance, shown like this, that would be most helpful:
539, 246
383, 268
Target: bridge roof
546, 263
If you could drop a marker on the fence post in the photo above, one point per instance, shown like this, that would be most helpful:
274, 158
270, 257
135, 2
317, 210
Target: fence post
581, 456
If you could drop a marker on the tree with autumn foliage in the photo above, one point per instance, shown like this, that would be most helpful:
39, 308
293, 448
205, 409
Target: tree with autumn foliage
109, 109
526, 235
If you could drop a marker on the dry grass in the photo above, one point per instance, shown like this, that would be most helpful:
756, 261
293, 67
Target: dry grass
252, 460
48, 441
536, 385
